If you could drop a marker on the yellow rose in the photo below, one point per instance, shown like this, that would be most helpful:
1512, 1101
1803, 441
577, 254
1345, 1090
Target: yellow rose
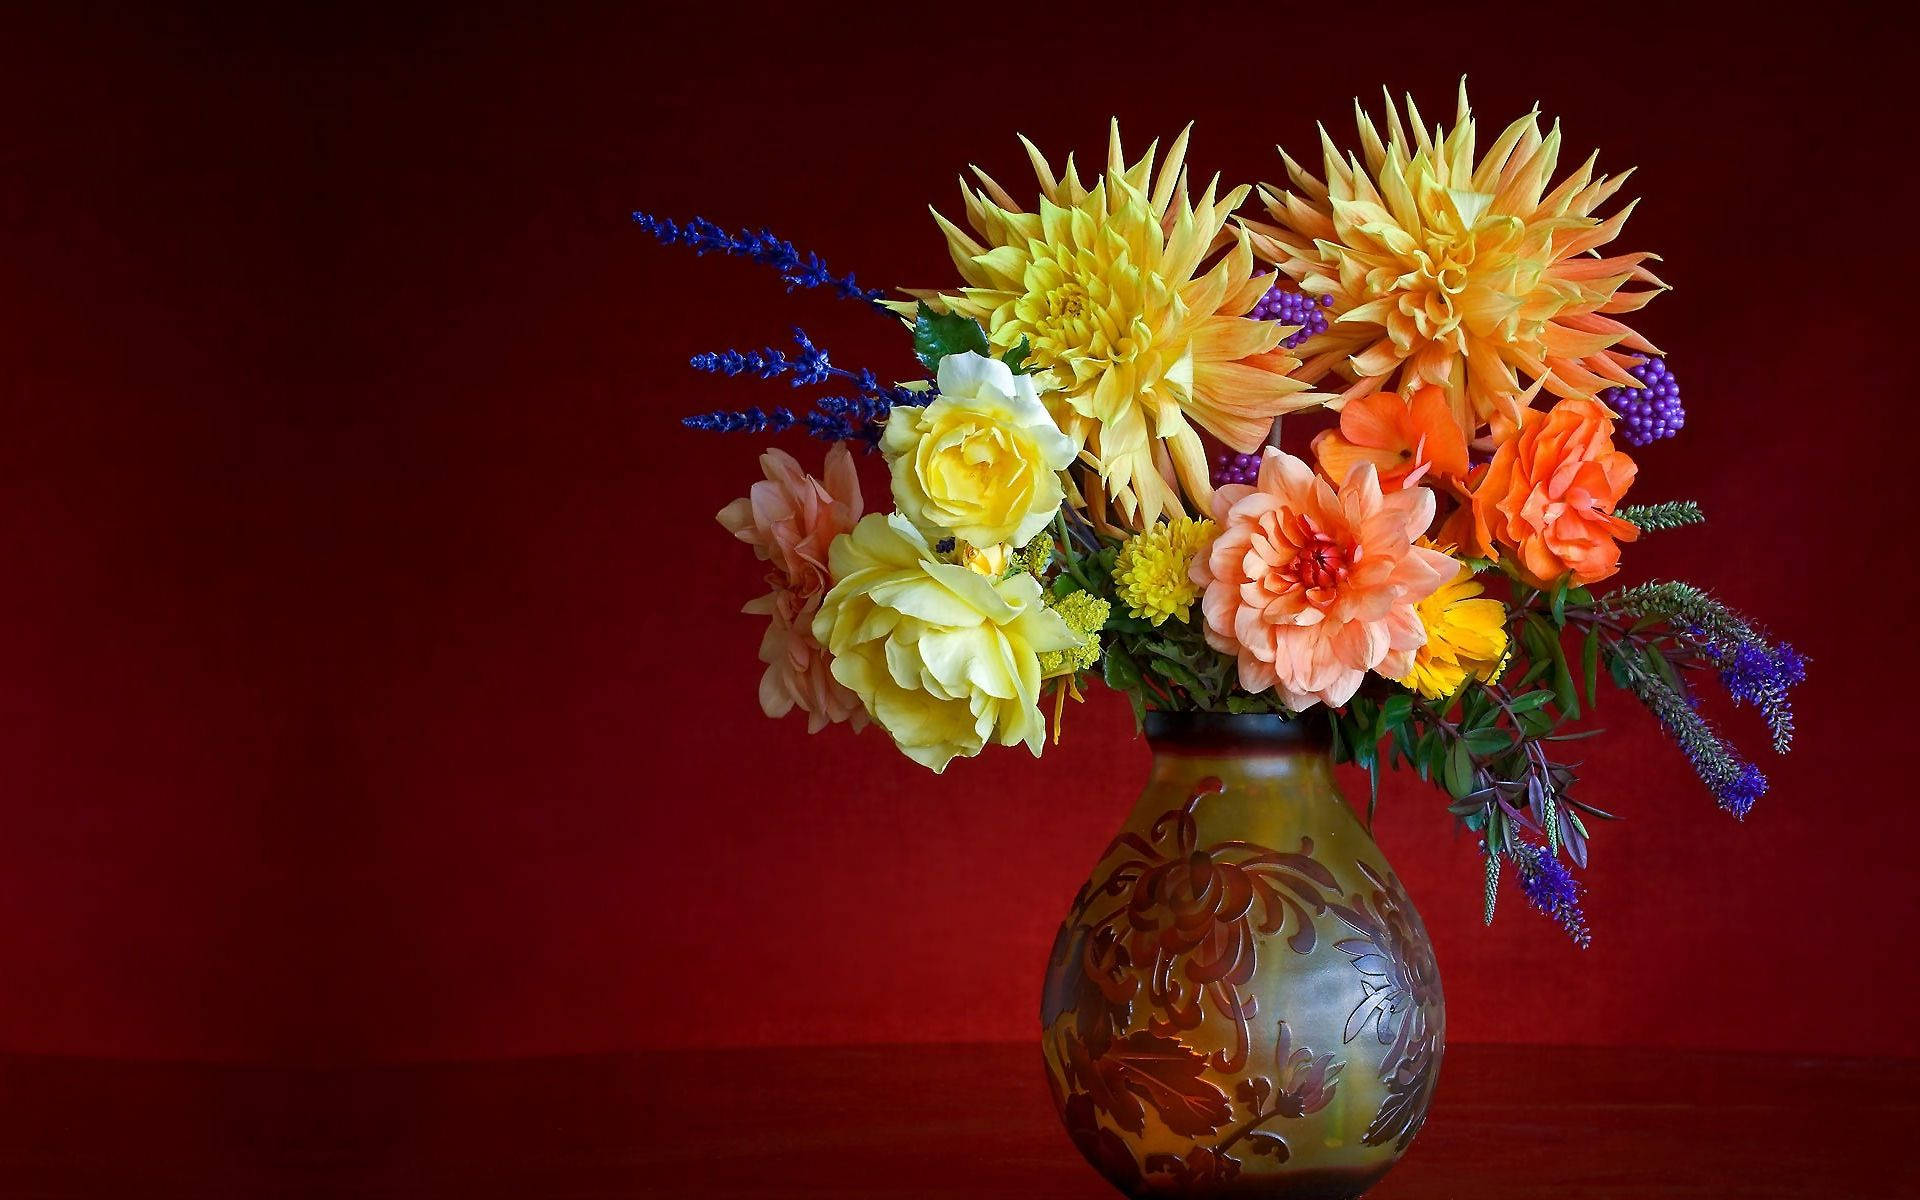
990, 561
983, 461
943, 659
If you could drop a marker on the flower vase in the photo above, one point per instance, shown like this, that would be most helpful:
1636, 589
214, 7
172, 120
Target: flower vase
1242, 1001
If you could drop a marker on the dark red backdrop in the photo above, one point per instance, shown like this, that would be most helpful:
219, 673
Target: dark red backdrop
370, 678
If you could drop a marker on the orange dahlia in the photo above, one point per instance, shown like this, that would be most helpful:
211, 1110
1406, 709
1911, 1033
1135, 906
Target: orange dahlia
1311, 588
1469, 276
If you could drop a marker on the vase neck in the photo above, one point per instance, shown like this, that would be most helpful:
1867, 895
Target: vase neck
1189, 744
1237, 734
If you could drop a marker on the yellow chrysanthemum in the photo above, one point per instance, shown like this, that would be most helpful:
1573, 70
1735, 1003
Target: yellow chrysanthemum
1150, 574
1472, 277
1466, 635
1107, 286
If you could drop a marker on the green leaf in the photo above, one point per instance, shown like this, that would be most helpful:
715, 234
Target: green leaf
1119, 672
1559, 603
1173, 669
1474, 705
1433, 755
1459, 771
1487, 742
1549, 639
1535, 670
1664, 669
1017, 357
1530, 701
1575, 737
1403, 741
1620, 669
1251, 704
938, 334
1396, 710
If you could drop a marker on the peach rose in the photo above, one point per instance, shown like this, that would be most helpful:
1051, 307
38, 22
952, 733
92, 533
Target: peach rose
1312, 588
1549, 494
790, 519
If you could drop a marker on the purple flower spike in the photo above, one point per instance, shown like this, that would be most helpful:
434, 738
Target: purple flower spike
1552, 889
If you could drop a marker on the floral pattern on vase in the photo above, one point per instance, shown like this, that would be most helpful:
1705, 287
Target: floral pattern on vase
1226, 1017
1391, 952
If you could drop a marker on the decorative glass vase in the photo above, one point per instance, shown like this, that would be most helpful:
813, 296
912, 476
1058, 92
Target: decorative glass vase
1242, 1001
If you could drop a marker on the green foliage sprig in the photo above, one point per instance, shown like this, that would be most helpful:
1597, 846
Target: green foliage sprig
1653, 518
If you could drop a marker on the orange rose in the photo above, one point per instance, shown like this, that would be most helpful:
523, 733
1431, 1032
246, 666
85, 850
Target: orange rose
1549, 495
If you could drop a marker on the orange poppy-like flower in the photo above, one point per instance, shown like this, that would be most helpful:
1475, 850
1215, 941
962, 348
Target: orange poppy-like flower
1549, 494
790, 519
1403, 438
1311, 588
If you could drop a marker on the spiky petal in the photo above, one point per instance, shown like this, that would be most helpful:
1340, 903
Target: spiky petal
1470, 275
1142, 328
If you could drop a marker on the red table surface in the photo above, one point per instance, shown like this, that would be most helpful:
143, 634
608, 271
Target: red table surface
928, 1122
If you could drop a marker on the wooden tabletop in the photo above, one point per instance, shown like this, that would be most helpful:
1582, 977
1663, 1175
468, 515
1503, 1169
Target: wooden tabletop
927, 1122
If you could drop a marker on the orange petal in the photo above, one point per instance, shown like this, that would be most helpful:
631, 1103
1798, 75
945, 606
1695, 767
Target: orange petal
1376, 421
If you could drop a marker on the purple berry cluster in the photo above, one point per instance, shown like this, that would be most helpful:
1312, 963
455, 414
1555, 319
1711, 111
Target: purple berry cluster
1651, 412
1231, 467
1293, 308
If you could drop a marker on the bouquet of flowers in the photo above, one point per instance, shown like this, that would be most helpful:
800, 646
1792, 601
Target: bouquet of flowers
1088, 481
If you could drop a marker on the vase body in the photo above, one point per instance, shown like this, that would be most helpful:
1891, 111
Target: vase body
1242, 1001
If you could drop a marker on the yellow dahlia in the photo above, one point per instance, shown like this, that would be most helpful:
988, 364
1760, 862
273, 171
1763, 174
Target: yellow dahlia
1139, 339
1151, 572
1469, 276
1466, 635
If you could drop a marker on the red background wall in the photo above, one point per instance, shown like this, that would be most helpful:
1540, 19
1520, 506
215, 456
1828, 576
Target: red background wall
371, 683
